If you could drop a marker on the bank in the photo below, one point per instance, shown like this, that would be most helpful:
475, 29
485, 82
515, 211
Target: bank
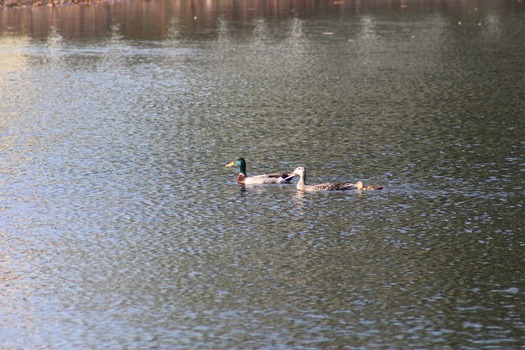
37, 3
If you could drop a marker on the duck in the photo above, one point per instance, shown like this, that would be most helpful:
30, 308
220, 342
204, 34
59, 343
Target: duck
325, 186
360, 186
242, 178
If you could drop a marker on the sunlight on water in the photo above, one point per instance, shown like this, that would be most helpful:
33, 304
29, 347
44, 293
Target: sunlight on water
121, 227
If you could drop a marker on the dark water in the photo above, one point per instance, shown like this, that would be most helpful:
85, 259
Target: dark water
120, 227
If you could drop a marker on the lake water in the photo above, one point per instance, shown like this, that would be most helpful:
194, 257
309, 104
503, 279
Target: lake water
121, 228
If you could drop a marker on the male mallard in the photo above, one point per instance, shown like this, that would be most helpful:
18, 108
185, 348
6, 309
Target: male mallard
242, 178
360, 186
325, 186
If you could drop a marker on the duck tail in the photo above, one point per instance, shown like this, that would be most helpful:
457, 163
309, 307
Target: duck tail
286, 177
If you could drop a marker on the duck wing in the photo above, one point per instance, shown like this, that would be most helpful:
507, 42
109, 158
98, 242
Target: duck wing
373, 188
280, 177
275, 178
331, 186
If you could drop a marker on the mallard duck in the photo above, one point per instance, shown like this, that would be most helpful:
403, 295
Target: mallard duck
325, 186
242, 178
360, 186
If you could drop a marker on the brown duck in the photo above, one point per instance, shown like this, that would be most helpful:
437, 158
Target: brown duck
325, 186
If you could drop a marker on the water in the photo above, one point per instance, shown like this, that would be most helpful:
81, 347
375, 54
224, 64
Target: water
121, 228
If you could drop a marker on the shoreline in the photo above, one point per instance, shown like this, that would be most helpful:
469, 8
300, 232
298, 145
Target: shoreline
16, 4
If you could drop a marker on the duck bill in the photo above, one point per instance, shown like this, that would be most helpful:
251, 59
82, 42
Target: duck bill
230, 164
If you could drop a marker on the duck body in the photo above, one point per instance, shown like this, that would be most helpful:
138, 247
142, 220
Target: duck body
242, 178
325, 186
362, 187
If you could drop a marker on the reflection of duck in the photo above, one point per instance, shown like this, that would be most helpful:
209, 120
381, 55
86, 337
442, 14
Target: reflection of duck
325, 186
242, 178
360, 186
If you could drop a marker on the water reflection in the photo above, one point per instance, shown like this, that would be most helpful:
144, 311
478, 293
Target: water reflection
13, 55
54, 44
173, 33
116, 50
160, 18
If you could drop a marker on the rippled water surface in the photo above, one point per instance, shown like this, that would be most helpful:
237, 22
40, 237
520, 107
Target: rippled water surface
121, 228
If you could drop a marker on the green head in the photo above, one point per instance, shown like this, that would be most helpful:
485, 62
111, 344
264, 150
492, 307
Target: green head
241, 163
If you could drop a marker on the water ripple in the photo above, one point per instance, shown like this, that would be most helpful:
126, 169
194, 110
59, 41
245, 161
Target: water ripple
117, 212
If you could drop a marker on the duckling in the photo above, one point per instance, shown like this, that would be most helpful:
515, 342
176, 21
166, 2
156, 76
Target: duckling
360, 186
